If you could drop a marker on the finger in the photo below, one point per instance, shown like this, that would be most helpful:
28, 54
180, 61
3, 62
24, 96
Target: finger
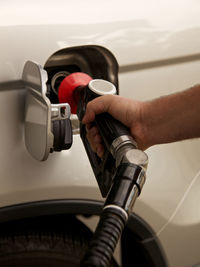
95, 145
100, 150
92, 131
94, 139
92, 144
97, 139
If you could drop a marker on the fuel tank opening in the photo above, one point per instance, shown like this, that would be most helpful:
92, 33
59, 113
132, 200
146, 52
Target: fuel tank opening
57, 79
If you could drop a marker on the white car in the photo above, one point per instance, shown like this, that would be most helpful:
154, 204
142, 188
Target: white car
48, 208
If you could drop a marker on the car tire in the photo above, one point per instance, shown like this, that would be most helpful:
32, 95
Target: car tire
38, 243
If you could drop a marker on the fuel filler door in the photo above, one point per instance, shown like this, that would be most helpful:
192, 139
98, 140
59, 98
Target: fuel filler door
47, 126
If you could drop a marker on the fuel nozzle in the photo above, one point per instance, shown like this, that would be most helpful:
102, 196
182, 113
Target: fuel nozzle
78, 89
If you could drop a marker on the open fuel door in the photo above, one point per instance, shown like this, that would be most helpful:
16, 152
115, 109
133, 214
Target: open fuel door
47, 126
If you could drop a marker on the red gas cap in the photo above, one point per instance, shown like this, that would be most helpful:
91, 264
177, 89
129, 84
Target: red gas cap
69, 85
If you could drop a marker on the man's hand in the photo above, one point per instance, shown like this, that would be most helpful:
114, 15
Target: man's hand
128, 111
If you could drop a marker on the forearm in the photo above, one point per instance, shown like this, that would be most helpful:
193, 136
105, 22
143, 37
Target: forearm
173, 118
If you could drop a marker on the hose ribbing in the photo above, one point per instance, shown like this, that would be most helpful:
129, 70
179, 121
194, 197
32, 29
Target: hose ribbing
105, 238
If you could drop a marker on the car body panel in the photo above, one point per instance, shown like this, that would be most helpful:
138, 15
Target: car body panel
157, 55
36, 31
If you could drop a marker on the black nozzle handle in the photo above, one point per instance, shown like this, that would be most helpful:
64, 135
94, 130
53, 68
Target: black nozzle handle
105, 238
110, 129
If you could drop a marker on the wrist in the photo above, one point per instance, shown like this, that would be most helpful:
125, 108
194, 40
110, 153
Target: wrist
140, 127
155, 122
146, 128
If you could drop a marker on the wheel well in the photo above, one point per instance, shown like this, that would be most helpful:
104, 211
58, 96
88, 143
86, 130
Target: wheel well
138, 242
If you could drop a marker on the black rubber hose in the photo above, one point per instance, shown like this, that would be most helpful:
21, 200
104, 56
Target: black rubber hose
105, 238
